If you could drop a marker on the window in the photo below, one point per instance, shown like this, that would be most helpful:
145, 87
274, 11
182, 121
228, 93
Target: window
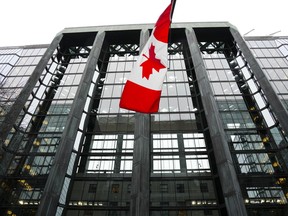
129, 188
164, 212
92, 188
182, 213
88, 213
180, 188
204, 187
113, 203
112, 213
164, 188
208, 212
181, 203
115, 188
164, 203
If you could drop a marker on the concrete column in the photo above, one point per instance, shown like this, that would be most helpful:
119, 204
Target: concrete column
54, 184
140, 187
277, 107
183, 165
119, 146
227, 174
140, 190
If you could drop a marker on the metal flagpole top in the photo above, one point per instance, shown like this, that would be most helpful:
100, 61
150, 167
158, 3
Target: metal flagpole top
173, 2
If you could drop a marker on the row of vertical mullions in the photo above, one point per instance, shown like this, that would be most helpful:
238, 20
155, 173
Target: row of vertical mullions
94, 105
177, 153
259, 74
217, 135
12, 116
73, 120
194, 90
33, 133
202, 123
86, 137
256, 109
246, 93
255, 115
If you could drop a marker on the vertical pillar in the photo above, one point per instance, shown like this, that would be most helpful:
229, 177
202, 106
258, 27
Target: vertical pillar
49, 201
274, 101
227, 174
18, 105
119, 146
183, 165
140, 187
141, 167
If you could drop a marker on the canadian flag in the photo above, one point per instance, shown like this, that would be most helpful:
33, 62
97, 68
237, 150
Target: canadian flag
142, 90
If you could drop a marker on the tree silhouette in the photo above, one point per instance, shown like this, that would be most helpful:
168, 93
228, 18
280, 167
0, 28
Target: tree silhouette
7, 97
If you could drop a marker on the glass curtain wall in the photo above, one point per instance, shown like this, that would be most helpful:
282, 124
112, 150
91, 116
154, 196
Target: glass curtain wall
34, 139
183, 180
101, 178
16, 66
272, 56
252, 131
183, 174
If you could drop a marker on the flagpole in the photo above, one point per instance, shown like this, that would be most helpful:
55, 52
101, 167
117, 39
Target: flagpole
173, 2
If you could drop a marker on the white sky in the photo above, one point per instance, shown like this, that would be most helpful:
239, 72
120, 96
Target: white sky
24, 22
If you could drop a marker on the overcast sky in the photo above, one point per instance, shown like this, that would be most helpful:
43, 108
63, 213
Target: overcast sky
24, 22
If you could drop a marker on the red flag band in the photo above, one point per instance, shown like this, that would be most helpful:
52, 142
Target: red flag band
142, 90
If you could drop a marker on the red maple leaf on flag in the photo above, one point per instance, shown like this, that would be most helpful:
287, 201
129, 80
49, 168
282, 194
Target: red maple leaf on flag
150, 63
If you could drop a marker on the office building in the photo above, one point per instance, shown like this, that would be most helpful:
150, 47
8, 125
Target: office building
217, 146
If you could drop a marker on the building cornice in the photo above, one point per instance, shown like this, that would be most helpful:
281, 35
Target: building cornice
144, 26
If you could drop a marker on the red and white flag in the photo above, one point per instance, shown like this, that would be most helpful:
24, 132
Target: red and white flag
142, 90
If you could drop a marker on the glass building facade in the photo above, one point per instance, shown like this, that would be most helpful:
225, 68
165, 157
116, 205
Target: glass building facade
217, 146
